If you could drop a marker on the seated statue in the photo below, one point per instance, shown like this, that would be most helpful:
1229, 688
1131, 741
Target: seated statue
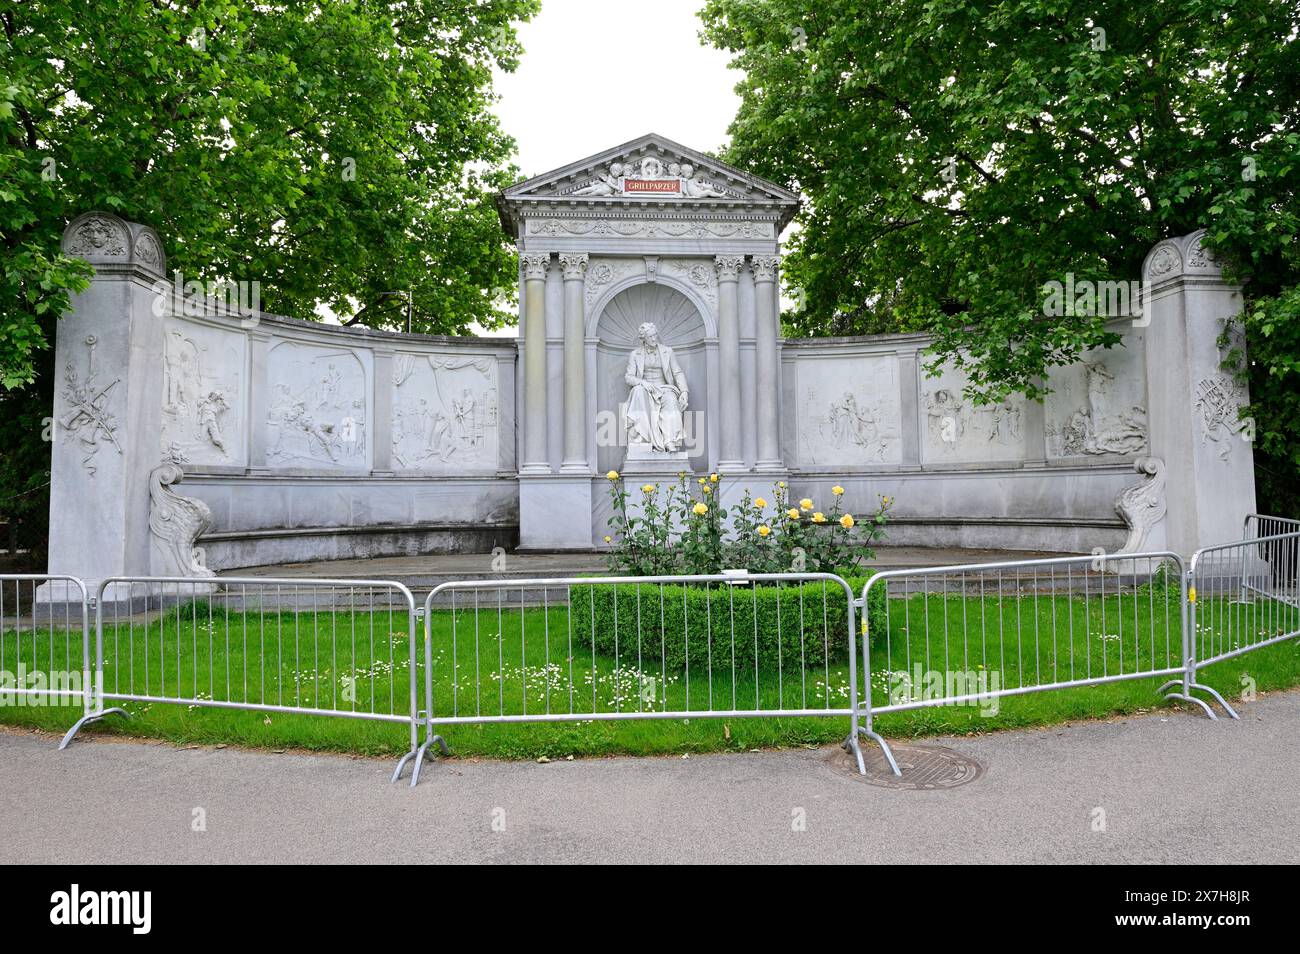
658, 398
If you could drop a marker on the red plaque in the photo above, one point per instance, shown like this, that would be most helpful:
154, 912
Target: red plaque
659, 186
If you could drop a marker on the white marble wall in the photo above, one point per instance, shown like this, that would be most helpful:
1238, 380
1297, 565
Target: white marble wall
871, 417
311, 441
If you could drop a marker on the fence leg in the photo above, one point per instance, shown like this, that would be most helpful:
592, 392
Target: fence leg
1188, 680
87, 720
423, 753
879, 739
1218, 698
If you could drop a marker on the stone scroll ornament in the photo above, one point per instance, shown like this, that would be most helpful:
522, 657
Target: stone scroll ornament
1143, 505
176, 522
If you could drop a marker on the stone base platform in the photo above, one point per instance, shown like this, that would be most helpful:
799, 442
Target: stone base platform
421, 574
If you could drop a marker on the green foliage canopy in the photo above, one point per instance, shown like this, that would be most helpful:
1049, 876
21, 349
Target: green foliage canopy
956, 156
331, 151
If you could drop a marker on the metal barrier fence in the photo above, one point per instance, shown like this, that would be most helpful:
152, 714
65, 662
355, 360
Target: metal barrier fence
974, 633
1244, 596
45, 642
1257, 526
569, 649
332, 647
578, 649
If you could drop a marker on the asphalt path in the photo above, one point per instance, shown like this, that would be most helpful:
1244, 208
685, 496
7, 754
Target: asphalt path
1166, 787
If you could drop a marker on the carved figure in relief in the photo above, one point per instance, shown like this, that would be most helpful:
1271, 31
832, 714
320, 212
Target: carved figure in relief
606, 183
180, 370
946, 417
1003, 421
701, 188
211, 407
328, 392
659, 395
1099, 377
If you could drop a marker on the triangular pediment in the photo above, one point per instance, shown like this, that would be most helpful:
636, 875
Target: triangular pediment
651, 170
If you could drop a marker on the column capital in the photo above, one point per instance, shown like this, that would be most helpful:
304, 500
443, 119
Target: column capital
574, 265
728, 267
764, 267
536, 264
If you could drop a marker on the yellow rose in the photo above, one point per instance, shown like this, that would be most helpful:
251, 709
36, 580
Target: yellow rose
700, 509
609, 539
760, 503
703, 481
805, 504
837, 490
846, 521
885, 500
819, 517
713, 478
648, 489
706, 489
764, 531
612, 475
792, 514
781, 484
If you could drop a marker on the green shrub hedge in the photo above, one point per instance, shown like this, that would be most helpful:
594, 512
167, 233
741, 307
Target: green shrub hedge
710, 615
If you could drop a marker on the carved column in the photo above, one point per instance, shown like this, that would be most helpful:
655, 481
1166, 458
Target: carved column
575, 366
728, 267
766, 360
535, 459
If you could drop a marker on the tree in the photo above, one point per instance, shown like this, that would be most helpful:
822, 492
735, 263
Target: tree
958, 156
330, 151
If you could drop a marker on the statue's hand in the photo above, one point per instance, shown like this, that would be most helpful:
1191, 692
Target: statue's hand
684, 403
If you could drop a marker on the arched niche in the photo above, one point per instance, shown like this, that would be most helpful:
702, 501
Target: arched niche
682, 328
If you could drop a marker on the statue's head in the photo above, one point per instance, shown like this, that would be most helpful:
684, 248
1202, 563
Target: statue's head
648, 334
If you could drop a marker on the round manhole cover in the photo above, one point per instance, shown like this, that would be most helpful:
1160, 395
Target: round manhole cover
924, 767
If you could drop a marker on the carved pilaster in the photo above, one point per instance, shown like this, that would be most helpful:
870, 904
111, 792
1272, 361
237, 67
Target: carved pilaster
767, 362
729, 431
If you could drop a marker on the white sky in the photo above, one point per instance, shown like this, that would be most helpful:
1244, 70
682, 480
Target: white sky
596, 73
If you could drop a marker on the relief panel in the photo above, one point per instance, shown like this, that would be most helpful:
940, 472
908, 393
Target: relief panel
956, 429
318, 407
203, 394
849, 413
1098, 407
446, 413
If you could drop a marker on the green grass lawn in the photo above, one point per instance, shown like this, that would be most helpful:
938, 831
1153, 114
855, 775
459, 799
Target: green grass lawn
360, 663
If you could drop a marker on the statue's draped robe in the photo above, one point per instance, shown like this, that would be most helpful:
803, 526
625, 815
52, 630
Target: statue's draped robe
654, 411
